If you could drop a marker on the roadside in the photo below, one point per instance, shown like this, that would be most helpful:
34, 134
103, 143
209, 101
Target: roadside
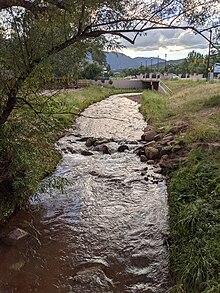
190, 117
27, 143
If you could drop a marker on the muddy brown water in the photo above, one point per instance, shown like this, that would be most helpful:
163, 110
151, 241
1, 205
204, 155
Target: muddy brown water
106, 232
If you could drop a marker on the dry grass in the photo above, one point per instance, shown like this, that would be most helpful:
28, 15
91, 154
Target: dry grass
194, 97
177, 85
195, 103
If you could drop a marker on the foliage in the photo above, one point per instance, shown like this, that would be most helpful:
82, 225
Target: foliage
26, 144
25, 159
92, 71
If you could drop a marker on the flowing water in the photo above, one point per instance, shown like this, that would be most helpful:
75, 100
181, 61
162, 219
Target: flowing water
106, 232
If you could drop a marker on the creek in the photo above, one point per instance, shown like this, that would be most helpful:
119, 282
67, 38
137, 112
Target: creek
106, 232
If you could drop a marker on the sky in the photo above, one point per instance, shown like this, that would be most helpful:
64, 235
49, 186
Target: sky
175, 43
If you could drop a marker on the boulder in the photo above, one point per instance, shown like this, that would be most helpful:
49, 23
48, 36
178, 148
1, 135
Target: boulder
158, 170
148, 136
104, 149
70, 150
86, 153
177, 148
167, 138
17, 234
14, 236
143, 158
166, 150
90, 141
150, 162
101, 141
151, 152
139, 151
171, 142
159, 136
122, 148
150, 143
165, 157
169, 164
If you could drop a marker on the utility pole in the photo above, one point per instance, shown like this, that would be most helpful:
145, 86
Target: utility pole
151, 64
165, 67
158, 63
208, 62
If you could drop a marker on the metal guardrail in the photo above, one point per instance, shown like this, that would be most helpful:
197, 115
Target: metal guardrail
165, 88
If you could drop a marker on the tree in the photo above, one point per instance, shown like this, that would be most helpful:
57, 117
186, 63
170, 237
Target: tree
92, 71
32, 32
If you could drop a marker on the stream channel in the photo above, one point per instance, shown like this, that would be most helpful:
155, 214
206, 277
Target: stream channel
106, 232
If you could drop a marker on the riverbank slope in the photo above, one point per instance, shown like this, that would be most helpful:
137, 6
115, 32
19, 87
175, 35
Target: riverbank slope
194, 185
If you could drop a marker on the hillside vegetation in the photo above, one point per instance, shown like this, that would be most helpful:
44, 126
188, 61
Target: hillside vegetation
194, 187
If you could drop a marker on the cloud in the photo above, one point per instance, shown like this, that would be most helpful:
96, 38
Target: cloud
170, 40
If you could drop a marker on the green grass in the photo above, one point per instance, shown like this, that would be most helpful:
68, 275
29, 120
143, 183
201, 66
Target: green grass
194, 199
213, 101
154, 107
194, 188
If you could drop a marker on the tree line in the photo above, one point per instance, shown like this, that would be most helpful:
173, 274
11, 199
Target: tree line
195, 62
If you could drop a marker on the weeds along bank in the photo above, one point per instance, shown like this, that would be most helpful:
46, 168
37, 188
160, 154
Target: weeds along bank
194, 186
27, 151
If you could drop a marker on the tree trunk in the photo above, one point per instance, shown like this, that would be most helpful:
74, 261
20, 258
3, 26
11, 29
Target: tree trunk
8, 109
12, 96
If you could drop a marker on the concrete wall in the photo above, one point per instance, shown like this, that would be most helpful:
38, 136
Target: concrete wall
121, 83
129, 84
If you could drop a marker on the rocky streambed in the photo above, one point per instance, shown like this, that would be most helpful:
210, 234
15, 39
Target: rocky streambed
107, 232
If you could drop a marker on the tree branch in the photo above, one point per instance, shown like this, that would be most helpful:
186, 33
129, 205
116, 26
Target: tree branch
31, 6
34, 7
34, 110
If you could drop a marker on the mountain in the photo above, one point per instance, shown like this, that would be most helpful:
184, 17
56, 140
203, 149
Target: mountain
119, 61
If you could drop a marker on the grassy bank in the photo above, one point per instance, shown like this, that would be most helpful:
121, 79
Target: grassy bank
27, 151
194, 187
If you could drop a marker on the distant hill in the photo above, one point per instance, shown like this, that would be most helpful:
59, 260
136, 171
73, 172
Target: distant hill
119, 61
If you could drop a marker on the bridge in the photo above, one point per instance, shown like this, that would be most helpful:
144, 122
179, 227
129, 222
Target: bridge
150, 81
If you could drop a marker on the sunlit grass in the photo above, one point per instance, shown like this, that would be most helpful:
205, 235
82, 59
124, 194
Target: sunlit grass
179, 85
155, 107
